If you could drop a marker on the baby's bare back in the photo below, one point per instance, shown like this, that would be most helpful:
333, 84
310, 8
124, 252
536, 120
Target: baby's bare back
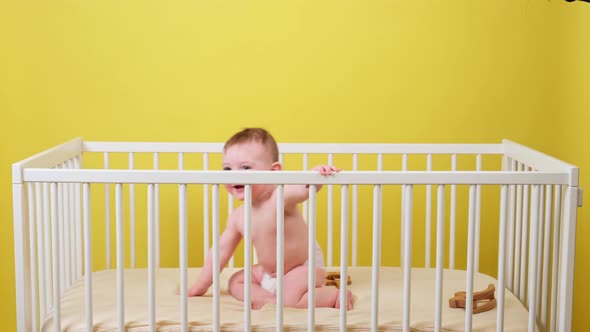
264, 235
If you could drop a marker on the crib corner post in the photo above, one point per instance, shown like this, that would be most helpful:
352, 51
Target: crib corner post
566, 261
21, 254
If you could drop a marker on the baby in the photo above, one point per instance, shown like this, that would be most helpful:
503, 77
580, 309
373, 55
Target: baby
256, 149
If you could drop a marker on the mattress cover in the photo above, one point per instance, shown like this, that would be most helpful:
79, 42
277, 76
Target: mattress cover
200, 309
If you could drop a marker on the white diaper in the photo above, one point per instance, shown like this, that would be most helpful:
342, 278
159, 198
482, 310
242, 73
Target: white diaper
269, 283
318, 255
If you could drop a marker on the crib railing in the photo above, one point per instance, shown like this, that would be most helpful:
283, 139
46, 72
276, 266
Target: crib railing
532, 184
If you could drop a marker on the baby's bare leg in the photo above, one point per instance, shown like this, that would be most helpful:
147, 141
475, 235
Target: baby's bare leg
258, 295
296, 290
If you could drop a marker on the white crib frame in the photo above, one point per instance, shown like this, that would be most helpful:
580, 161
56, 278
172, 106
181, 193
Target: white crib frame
59, 175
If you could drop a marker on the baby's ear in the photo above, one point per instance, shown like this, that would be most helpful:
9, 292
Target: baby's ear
276, 166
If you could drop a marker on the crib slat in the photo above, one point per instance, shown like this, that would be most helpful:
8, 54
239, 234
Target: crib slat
380, 169
131, 215
73, 247
523, 242
107, 215
477, 214
540, 236
311, 259
40, 246
375, 262
343, 256
78, 216
546, 247
230, 208
157, 212
380, 219
181, 189
557, 203
305, 211
428, 221
330, 216
180, 161
205, 210
120, 256
47, 245
355, 201
403, 209
517, 235
72, 233
151, 258
31, 202
502, 258
532, 280
280, 255
247, 256
440, 247
182, 240
216, 293
68, 231
88, 255
453, 216
65, 230
56, 263
407, 262
61, 225
470, 259
511, 228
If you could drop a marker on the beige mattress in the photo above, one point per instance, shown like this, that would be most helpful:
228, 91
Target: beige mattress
358, 319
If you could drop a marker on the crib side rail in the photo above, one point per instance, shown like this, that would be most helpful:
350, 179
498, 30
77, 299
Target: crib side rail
291, 177
48, 158
539, 161
300, 148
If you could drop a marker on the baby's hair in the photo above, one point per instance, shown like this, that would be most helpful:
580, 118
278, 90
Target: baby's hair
259, 135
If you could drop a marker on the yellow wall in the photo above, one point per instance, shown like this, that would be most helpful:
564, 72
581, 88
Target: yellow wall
572, 138
343, 71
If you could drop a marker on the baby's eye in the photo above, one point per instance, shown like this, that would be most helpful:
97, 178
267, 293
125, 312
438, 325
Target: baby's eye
246, 167
227, 169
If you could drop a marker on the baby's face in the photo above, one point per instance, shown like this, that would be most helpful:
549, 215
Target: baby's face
245, 156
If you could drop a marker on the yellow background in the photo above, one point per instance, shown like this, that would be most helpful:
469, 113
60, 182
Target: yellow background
309, 71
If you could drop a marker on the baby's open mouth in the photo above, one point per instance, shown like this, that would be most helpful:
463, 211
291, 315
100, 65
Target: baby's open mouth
239, 186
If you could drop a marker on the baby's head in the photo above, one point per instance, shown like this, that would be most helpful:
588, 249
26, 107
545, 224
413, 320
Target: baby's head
251, 149
258, 136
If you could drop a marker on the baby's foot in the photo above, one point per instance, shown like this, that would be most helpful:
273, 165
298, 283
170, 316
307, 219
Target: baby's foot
348, 300
258, 304
196, 291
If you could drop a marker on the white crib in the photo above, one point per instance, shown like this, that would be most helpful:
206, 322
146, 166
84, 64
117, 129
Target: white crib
522, 199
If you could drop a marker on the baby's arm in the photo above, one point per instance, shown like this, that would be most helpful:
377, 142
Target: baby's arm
228, 242
296, 194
